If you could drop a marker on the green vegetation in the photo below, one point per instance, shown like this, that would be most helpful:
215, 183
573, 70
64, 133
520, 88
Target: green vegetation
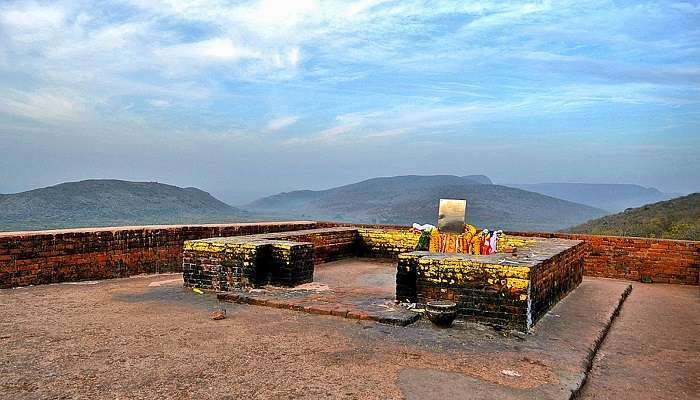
672, 219
111, 203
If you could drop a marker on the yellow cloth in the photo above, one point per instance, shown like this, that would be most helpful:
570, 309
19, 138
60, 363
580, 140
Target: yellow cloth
471, 229
434, 245
476, 243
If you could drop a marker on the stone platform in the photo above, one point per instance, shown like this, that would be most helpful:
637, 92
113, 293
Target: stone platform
282, 259
512, 288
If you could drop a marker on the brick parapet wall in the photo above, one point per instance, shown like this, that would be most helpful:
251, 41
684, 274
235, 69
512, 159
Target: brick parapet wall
32, 258
636, 259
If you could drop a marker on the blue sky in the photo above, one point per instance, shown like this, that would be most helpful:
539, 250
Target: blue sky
244, 99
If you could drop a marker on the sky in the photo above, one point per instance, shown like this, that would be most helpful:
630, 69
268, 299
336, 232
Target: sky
245, 99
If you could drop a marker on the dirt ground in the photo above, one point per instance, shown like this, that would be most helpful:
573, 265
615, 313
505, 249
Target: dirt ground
147, 337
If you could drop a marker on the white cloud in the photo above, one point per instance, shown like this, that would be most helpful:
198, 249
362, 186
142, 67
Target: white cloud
31, 22
506, 16
202, 52
42, 106
158, 103
282, 122
434, 118
210, 50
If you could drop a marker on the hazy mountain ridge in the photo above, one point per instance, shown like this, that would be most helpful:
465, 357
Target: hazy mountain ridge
300, 199
413, 198
609, 197
480, 179
671, 219
104, 202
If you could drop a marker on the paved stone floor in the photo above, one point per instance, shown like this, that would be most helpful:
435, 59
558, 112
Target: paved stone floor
147, 337
352, 288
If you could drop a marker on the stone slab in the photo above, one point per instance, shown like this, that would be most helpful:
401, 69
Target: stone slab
653, 349
339, 305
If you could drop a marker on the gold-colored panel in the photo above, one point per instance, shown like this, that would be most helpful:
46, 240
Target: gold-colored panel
451, 215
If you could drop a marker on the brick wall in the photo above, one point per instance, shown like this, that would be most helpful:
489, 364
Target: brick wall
636, 259
385, 243
555, 278
222, 270
329, 245
281, 258
228, 265
484, 292
513, 295
32, 258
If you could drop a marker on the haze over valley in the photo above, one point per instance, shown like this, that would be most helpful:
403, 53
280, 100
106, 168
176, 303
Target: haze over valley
398, 200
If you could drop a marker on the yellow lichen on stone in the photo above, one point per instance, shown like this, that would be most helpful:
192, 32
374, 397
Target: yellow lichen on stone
399, 239
204, 246
460, 271
506, 242
517, 283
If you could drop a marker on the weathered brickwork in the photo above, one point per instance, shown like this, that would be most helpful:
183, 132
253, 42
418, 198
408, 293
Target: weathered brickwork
222, 267
555, 277
636, 259
33, 258
406, 276
390, 242
290, 264
386, 243
282, 259
514, 293
332, 244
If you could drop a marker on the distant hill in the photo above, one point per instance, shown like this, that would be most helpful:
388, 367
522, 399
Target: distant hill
609, 197
110, 202
408, 199
481, 179
672, 219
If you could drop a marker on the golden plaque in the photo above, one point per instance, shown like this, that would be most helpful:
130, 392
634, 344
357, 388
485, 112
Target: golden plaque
451, 215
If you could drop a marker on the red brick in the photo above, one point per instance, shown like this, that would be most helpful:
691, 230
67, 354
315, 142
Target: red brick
319, 309
340, 312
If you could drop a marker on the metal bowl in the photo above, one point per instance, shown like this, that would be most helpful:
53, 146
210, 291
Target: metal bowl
441, 312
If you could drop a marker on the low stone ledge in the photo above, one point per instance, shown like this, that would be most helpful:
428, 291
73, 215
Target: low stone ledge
313, 302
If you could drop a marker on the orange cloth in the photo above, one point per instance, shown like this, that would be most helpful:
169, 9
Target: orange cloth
449, 243
434, 245
469, 242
